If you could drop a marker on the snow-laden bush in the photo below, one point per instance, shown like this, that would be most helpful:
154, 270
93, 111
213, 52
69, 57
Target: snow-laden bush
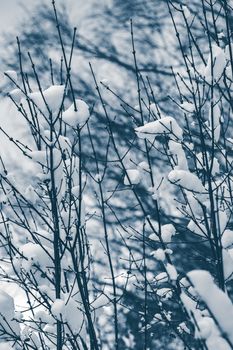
65, 282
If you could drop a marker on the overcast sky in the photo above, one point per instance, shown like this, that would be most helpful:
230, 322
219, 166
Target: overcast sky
11, 11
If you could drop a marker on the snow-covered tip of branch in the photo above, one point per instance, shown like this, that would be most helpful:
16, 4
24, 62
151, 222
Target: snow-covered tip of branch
11, 74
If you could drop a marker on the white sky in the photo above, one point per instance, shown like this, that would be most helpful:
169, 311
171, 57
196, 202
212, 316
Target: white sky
11, 12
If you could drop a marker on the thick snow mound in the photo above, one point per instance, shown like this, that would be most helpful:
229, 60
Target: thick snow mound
34, 254
7, 314
187, 180
215, 65
216, 300
166, 125
133, 177
76, 117
50, 98
227, 238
